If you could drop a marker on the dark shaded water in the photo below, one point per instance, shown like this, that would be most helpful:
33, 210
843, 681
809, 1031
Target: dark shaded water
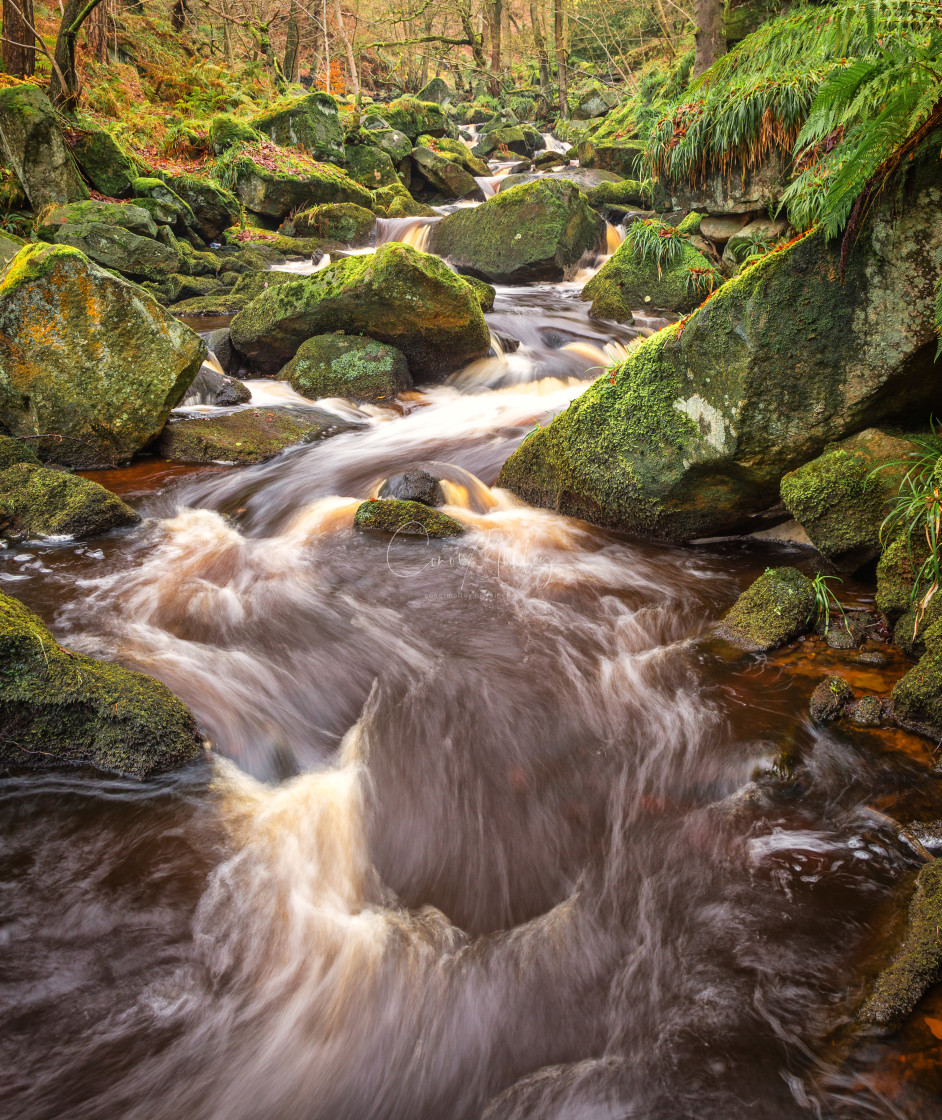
478, 836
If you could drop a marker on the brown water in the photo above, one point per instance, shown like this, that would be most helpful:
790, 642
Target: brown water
478, 835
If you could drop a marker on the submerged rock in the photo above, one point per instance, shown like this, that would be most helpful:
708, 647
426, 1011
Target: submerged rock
917, 964
87, 358
59, 708
692, 433
339, 365
829, 699
414, 486
34, 147
537, 231
41, 502
405, 518
250, 435
410, 300
772, 611
866, 712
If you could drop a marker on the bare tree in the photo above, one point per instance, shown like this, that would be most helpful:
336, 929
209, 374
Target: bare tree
19, 53
292, 66
540, 44
559, 32
63, 84
710, 36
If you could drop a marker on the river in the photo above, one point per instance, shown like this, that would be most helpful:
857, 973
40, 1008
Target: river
477, 834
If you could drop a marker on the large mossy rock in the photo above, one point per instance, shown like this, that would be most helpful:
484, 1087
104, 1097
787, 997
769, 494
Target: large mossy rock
445, 175
511, 138
34, 147
38, 501
124, 215
105, 163
917, 697
59, 708
776, 608
226, 131
842, 497
410, 300
622, 157
413, 117
370, 166
693, 432
310, 122
87, 358
595, 101
537, 231
585, 178
250, 435
229, 301
455, 151
340, 365
389, 140
404, 518
343, 222
214, 207
276, 182
437, 90
720, 192
630, 282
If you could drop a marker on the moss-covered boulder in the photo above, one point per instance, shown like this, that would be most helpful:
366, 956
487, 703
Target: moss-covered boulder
537, 231
87, 358
274, 182
692, 433
343, 222
310, 122
775, 609
917, 697
594, 101
34, 147
437, 90
455, 151
630, 281
227, 131
917, 964
623, 193
10, 245
485, 292
250, 435
16, 451
42, 502
125, 215
585, 178
622, 157
227, 301
829, 699
401, 207
59, 708
509, 139
214, 207
842, 497
410, 300
409, 519
371, 166
413, 117
899, 563
341, 365
444, 175
394, 143
105, 163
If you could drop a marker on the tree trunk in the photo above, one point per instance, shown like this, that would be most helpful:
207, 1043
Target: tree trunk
348, 48
494, 21
505, 38
292, 43
96, 28
63, 84
559, 22
178, 14
476, 40
540, 44
19, 56
709, 37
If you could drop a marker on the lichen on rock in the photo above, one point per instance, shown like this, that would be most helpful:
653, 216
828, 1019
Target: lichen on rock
340, 365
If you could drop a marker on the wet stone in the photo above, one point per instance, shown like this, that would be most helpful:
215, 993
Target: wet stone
848, 632
411, 519
872, 657
867, 712
413, 486
830, 698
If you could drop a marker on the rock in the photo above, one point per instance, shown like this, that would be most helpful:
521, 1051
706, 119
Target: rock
10, 245
917, 697
485, 292
595, 102
221, 348
343, 222
176, 287
538, 231
692, 433
866, 712
445, 176
250, 435
394, 143
124, 215
59, 708
455, 151
829, 699
371, 166
105, 163
622, 157
409, 208
309, 122
413, 117
214, 388
410, 300
840, 502
720, 229
761, 233
510, 138
622, 192
226, 132
227, 302
414, 486
910, 630
214, 208
169, 200
437, 90
847, 631
53, 503
288, 181
772, 611
628, 282
15, 451
716, 192
339, 365
585, 178
872, 657
917, 964
88, 358
896, 572
34, 147
410, 519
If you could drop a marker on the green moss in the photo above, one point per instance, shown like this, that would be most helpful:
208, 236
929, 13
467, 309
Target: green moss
485, 292
50, 503
35, 263
455, 151
343, 222
309, 122
917, 697
15, 451
105, 162
629, 282
370, 166
272, 181
60, 708
627, 193
225, 131
339, 365
414, 117
774, 610
401, 207
410, 519
896, 573
918, 963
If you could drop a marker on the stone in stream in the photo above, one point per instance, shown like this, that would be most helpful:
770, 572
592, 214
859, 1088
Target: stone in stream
229, 301
343, 222
273, 182
455, 151
87, 358
585, 178
405, 518
776, 608
105, 163
515, 138
628, 280
917, 697
693, 432
537, 231
218, 389
444, 175
414, 486
250, 435
622, 157
34, 147
38, 501
310, 122
866, 712
399, 296
829, 699
59, 708
353, 366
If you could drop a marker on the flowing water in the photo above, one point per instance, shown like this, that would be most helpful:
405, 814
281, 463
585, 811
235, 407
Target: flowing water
477, 834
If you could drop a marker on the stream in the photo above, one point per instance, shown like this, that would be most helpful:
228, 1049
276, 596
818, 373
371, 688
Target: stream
477, 835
